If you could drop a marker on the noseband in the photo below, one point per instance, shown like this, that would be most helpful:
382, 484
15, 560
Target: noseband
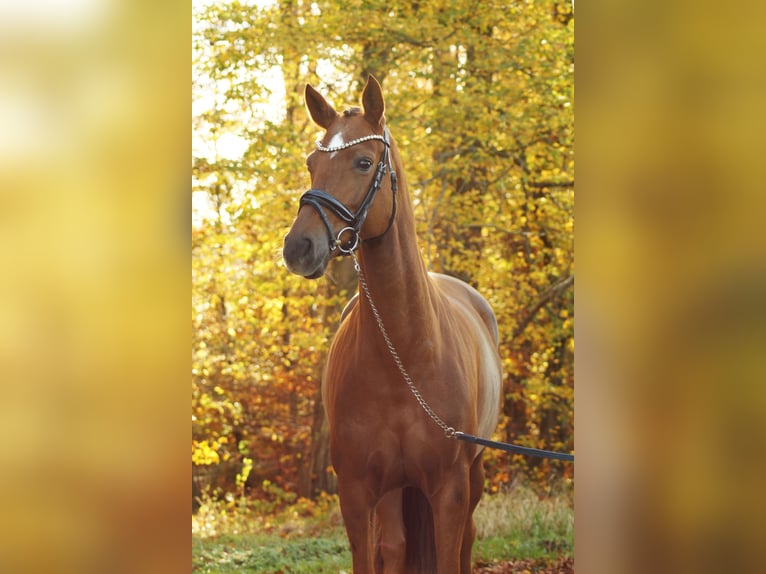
321, 200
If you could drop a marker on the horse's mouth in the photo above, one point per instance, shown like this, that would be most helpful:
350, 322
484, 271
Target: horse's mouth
316, 274
308, 271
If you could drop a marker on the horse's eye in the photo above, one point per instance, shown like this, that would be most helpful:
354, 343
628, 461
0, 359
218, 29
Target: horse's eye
363, 164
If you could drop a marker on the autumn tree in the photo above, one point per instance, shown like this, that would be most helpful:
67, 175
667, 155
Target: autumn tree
479, 97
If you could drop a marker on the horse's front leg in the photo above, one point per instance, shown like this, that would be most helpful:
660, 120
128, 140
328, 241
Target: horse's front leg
475, 492
357, 516
450, 506
392, 543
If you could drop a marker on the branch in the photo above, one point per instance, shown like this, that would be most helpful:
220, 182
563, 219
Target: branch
544, 299
445, 155
543, 184
406, 39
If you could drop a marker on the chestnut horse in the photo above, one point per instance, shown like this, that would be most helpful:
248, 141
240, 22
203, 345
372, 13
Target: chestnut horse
407, 488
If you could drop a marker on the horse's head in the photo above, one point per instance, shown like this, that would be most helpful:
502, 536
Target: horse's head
347, 175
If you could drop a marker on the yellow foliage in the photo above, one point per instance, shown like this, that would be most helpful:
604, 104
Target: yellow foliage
206, 452
480, 101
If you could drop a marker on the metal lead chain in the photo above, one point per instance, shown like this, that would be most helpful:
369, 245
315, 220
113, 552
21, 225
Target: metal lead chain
449, 432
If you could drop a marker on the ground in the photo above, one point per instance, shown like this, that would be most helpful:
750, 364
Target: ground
561, 566
307, 537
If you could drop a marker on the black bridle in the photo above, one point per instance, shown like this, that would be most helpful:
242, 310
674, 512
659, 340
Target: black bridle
321, 200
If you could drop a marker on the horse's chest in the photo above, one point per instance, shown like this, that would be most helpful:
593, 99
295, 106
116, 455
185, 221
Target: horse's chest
377, 426
366, 390
388, 450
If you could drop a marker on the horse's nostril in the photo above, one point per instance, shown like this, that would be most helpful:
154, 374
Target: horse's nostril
297, 248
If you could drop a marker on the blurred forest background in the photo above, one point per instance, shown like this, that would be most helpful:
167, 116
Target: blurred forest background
480, 99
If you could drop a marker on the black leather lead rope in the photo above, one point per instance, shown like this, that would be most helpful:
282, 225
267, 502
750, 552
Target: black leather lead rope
514, 448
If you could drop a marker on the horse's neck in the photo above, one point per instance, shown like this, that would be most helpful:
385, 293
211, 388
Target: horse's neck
398, 282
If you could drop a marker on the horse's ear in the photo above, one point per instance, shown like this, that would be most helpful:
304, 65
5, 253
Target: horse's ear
321, 112
372, 102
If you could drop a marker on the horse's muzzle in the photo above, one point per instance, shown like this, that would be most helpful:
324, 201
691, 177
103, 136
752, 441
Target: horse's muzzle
305, 256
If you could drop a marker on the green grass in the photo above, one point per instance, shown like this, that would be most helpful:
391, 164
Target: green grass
311, 539
262, 554
518, 524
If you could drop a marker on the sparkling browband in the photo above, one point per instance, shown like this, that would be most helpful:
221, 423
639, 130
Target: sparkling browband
320, 147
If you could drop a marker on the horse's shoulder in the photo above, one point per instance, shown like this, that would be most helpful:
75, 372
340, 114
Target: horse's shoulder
455, 289
349, 307
449, 283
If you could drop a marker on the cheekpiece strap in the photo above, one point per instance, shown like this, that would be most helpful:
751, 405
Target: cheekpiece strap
321, 200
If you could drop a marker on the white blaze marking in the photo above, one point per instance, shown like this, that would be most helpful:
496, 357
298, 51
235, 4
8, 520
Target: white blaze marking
337, 140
